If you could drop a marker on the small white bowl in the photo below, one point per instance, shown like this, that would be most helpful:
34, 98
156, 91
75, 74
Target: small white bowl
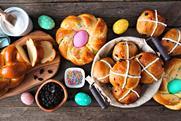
23, 25
82, 81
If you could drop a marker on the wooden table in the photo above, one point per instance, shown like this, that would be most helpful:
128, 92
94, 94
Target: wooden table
110, 10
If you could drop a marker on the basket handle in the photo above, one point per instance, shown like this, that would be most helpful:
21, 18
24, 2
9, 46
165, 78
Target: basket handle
160, 48
98, 97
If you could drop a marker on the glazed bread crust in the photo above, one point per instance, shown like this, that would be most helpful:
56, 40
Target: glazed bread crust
97, 30
120, 68
172, 71
102, 68
173, 34
147, 27
156, 69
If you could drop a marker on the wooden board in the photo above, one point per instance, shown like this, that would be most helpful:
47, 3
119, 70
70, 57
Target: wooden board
38, 74
13, 109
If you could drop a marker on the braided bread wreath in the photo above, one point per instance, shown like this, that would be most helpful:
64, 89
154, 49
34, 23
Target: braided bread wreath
169, 93
148, 92
23, 56
80, 37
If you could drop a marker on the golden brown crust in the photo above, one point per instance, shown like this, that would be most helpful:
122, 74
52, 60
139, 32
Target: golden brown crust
120, 50
97, 30
156, 69
172, 71
101, 69
147, 27
120, 68
13, 66
174, 35
126, 96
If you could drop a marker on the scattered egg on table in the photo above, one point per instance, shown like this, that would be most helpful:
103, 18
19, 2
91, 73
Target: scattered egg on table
4, 41
82, 99
27, 98
174, 86
120, 26
81, 38
46, 22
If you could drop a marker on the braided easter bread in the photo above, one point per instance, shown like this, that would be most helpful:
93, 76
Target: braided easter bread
17, 59
169, 93
80, 37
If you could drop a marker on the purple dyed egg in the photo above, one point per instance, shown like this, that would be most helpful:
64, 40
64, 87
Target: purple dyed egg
81, 38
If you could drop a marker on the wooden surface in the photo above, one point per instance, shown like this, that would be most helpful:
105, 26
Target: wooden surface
13, 109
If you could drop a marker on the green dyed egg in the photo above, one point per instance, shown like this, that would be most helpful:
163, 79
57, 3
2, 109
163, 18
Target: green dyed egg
46, 22
82, 99
174, 86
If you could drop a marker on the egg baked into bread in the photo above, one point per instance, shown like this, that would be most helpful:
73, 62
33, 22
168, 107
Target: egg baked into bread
169, 93
80, 37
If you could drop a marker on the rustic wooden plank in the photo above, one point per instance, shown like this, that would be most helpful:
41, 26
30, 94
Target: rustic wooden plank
110, 11
91, 114
13, 109
63, 1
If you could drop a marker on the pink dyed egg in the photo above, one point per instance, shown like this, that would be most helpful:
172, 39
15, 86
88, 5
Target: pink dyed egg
27, 98
80, 38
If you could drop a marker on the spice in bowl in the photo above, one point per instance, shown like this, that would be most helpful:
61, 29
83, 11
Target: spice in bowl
74, 77
51, 95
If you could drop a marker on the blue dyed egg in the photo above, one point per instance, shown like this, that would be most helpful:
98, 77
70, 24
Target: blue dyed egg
4, 41
46, 22
82, 99
174, 86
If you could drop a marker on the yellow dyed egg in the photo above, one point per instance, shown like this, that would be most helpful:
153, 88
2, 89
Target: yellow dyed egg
120, 26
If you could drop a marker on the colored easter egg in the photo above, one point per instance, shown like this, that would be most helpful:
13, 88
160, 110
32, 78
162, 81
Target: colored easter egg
46, 22
174, 86
82, 99
27, 98
4, 41
120, 26
80, 38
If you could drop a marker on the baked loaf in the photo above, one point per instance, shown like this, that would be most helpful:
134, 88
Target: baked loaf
80, 37
172, 42
124, 50
102, 68
152, 67
17, 59
150, 23
163, 96
126, 96
125, 74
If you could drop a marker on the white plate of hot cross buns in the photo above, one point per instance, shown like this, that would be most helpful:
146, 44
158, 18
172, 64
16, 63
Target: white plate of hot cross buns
127, 72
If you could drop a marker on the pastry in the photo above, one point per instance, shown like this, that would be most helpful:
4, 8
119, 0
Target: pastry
124, 50
125, 74
169, 93
80, 37
150, 23
126, 96
17, 59
101, 69
152, 67
172, 42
